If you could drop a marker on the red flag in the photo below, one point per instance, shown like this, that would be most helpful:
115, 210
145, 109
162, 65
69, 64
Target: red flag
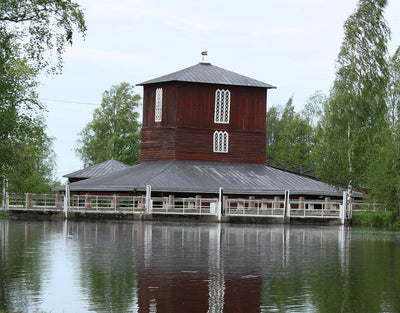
204, 52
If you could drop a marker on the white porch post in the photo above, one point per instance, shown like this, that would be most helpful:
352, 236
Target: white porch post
220, 204
287, 204
66, 200
149, 208
5, 194
344, 207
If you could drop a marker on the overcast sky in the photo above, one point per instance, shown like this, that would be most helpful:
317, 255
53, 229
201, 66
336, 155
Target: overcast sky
291, 44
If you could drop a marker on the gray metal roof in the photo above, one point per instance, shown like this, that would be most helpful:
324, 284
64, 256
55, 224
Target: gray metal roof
100, 169
205, 177
208, 74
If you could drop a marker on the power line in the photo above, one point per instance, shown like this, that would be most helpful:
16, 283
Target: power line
67, 101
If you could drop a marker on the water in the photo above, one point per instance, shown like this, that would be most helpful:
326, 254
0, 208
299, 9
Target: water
159, 267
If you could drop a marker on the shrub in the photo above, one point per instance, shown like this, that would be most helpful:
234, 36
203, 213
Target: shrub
375, 218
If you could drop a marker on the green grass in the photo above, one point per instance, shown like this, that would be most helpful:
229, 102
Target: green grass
375, 218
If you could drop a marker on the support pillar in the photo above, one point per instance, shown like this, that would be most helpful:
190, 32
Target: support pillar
225, 204
66, 200
287, 204
197, 203
301, 203
343, 207
328, 204
220, 208
5, 203
58, 201
28, 200
276, 204
143, 203
115, 202
171, 202
149, 208
88, 201
251, 202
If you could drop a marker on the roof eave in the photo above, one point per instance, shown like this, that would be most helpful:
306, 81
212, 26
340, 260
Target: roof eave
151, 82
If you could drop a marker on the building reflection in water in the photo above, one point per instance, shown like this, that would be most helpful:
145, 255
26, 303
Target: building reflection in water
212, 268
170, 267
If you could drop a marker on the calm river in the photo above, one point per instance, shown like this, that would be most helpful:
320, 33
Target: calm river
158, 267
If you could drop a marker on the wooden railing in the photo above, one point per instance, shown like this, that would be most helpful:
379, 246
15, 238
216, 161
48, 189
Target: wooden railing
275, 207
106, 204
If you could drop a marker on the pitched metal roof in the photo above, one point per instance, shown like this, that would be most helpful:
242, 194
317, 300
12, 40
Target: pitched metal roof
208, 74
100, 169
206, 177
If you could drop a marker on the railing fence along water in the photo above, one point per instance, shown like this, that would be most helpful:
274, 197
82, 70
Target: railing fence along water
268, 207
106, 204
30, 201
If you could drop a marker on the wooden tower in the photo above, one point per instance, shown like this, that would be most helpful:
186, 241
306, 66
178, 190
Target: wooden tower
204, 113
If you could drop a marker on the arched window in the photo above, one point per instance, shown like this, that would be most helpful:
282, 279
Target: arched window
222, 106
221, 141
158, 105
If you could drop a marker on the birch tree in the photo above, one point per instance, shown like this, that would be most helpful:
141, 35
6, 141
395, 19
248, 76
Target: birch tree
385, 171
353, 123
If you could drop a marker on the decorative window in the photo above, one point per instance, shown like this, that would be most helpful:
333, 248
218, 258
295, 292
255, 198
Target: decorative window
222, 106
221, 141
158, 106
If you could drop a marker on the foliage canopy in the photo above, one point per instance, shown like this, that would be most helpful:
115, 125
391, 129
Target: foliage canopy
114, 131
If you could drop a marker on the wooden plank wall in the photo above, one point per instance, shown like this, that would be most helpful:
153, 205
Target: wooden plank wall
187, 126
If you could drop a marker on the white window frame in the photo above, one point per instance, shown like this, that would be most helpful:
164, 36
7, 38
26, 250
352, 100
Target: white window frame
222, 106
158, 105
220, 141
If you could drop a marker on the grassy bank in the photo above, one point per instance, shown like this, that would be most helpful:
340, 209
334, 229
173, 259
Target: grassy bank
375, 218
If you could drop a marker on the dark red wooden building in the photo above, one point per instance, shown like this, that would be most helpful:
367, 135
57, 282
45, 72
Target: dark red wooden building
204, 113
204, 128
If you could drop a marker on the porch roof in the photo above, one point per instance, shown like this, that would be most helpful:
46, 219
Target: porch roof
205, 177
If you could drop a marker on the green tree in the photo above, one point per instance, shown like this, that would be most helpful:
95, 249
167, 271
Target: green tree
385, 171
289, 138
114, 131
353, 126
41, 29
26, 154
32, 33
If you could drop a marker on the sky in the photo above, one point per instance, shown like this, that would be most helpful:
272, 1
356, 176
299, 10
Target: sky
291, 44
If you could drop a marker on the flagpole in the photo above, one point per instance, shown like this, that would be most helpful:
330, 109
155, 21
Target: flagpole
203, 54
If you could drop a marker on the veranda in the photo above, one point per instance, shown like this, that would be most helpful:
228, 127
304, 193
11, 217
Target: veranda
278, 207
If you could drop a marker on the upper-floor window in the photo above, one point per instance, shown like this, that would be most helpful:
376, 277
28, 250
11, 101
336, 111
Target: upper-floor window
221, 141
158, 105
222, 106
